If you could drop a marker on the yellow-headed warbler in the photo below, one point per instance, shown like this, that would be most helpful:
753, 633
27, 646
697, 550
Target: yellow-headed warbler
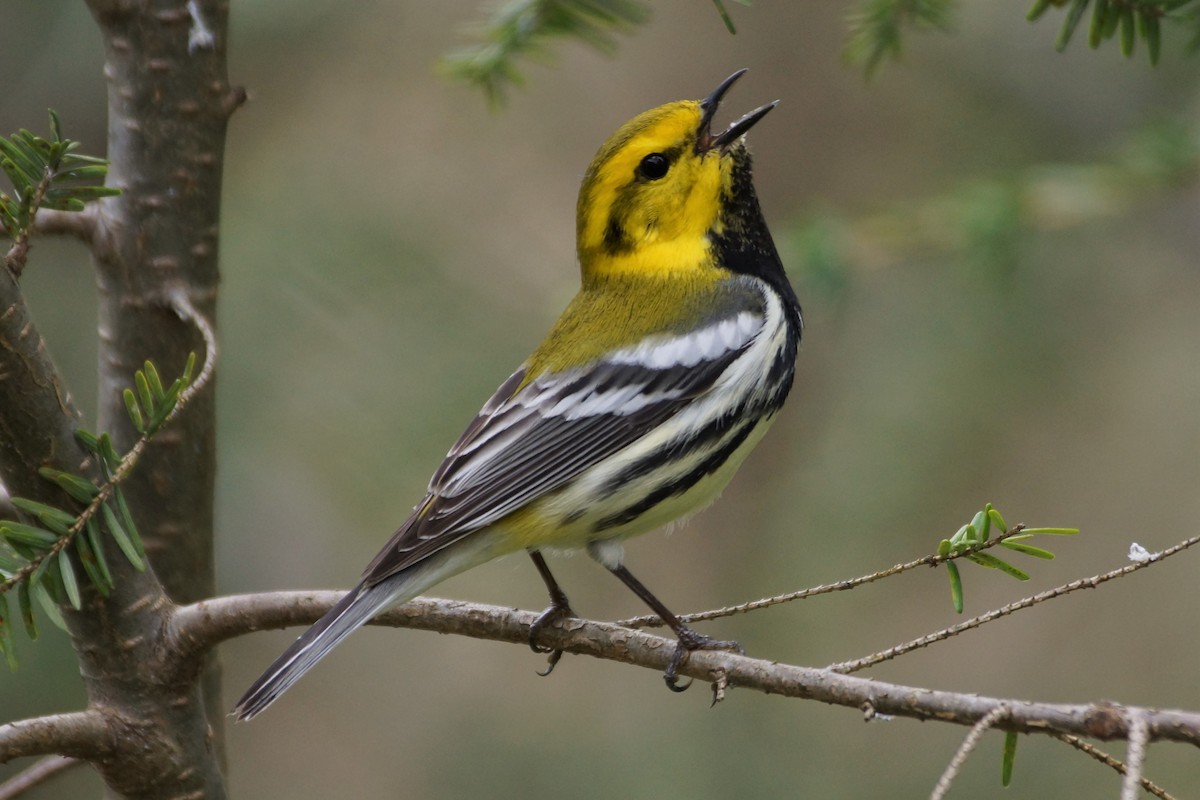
649, 391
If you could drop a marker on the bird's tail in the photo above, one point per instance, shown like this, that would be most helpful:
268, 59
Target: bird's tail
359, 605
351, 612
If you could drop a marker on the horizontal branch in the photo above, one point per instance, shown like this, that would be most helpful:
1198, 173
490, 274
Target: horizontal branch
80, 734
196, 628
81, 225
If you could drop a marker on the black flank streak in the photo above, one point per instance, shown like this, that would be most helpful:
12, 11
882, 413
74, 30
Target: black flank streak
682, 484
676, 448
783, 370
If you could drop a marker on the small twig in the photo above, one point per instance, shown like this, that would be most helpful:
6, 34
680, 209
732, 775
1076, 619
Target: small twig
651, 621
58, 546
964, 750
182, 305
1135, 754
846, 667
16, 256
184, 308
36, 775
1109, 761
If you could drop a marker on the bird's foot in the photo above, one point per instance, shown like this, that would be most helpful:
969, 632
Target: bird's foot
553, 615
689, 640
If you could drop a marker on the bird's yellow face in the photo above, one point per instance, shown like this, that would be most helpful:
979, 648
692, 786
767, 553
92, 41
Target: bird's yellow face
652, 194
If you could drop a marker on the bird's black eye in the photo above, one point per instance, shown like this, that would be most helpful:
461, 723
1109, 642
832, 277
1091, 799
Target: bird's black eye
654, 166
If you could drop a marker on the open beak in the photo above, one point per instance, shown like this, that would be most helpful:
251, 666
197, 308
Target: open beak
705, 139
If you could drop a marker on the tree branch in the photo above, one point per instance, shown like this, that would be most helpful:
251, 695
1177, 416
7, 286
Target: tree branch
1108, 761
1135, 757
37, 413
195, 628
81, 225
80, 734
1011, 608
36, 775
965, 749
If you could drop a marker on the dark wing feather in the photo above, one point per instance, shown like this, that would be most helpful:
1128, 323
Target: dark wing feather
526, 442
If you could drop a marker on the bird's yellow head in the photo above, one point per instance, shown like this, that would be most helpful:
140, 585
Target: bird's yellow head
659, 189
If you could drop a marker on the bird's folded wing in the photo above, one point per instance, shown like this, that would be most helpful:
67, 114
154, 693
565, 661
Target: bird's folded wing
534, 436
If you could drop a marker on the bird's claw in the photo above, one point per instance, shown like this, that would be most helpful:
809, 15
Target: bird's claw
689, 640
671, 676
551, 662
551, 616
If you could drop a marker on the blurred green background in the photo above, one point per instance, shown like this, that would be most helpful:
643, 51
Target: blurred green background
391, 250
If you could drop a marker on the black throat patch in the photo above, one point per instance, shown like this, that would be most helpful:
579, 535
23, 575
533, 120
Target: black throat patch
745, 244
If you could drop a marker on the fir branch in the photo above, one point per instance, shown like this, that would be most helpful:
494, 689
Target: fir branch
525, 29
1128, 21
877, 28
107, 489
45, 173
16, 256
847, 667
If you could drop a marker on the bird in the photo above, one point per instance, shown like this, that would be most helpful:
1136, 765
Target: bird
661, 375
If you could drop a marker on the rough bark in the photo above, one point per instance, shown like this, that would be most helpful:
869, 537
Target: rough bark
37, 415
169, 102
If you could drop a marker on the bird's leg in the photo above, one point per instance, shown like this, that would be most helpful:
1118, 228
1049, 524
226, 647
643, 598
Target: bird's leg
560, 609
689, 640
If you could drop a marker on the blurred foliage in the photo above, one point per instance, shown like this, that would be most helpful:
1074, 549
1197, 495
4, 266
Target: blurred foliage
1126, 20
983, 222
724, 12
525, 28
877, 27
